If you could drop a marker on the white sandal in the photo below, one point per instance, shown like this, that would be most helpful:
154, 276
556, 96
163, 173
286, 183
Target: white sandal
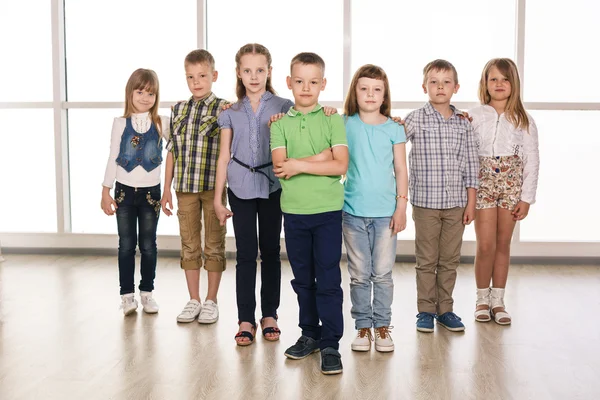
497, 301
483, 299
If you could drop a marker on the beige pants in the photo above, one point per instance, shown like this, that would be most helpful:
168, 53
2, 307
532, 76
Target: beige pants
437, 250
190, 207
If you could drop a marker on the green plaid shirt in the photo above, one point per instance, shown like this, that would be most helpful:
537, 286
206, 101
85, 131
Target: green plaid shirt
194, 142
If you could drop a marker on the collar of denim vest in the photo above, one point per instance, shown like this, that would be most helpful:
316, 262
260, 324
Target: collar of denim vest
292, 112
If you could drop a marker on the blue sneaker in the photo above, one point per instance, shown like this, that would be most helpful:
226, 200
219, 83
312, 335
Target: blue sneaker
451, 322
425, 322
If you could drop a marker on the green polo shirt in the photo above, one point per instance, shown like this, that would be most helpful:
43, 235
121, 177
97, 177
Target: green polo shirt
305, 135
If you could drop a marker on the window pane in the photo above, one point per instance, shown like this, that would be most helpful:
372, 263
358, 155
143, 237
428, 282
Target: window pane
87, 166
410, 35
106, 41
26, 67
276, 32
28, 180
555, 51
567, 190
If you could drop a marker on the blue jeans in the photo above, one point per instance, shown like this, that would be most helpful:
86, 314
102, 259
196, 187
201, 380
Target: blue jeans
371, 250
137, 206
314, 246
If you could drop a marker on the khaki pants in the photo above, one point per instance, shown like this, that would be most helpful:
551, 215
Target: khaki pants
190, 207
437, 249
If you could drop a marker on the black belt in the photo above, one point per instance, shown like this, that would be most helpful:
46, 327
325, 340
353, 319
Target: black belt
256, 169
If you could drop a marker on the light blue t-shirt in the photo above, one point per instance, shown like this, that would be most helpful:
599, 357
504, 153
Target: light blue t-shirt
370, 187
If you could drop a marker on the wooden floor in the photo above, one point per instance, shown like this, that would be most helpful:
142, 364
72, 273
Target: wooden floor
62, 336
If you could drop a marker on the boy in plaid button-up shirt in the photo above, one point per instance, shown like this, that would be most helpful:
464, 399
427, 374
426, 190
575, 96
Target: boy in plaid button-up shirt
192, 161
443, 182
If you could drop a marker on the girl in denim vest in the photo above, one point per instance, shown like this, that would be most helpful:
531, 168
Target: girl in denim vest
134, 162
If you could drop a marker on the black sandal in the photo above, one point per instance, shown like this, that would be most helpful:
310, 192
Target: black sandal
245, 334
270, 329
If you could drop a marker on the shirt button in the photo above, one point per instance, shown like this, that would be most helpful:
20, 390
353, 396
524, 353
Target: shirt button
497, 157
139, 159
497, 170
303, 127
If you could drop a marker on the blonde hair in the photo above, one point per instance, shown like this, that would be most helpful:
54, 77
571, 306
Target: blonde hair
200, 56
439, 65
143, 79
373, 72
251, 48
514, 111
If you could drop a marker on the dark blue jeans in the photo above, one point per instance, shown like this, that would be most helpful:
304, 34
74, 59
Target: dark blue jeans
314, 248
247, 241
137, 207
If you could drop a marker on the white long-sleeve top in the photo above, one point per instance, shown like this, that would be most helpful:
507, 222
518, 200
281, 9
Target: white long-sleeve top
138, 177
497, 136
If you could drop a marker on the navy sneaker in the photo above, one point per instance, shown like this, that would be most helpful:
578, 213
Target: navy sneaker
425, 322
451, 322
304, 347
331, 361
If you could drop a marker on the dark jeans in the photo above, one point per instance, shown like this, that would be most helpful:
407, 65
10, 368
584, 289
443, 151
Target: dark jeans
314, 248
247, 242
137, 206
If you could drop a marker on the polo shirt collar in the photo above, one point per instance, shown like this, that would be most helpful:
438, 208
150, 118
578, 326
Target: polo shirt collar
292, 112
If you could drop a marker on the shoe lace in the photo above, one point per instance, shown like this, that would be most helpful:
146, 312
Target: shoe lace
362, 332
451, 316
383, 332
423, 315
126, 301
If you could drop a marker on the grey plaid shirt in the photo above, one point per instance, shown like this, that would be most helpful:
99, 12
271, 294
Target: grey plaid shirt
443, 160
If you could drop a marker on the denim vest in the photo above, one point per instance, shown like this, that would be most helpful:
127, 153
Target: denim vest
143, 149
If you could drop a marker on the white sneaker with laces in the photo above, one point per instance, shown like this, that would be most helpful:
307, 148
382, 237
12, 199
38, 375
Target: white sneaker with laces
383, 340
128, 303
362, 341
209, 313
150, 305
190, 311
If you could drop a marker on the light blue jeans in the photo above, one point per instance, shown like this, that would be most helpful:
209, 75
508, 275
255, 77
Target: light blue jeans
371, 250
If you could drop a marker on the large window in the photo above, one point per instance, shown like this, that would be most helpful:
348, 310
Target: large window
53, 107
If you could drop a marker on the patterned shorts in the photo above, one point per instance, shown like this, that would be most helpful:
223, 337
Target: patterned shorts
500, 181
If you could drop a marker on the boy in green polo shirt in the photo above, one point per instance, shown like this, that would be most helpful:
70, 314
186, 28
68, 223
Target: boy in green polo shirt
310, 154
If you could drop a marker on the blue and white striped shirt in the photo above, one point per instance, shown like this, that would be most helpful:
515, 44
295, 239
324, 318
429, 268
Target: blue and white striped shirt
251, 145
443, 160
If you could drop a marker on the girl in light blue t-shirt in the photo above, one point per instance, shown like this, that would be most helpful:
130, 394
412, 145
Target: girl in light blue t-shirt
375, 202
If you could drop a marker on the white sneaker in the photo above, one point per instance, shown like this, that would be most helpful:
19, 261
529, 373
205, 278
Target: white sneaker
128, 303
190, 311
149, 304
209, 313
362, 341
383, 340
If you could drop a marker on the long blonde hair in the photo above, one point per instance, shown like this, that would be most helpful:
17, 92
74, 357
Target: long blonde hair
373, 72
514, 111
143, 79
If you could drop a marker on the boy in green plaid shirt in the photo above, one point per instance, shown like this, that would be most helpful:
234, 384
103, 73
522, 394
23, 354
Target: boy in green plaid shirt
191, 167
